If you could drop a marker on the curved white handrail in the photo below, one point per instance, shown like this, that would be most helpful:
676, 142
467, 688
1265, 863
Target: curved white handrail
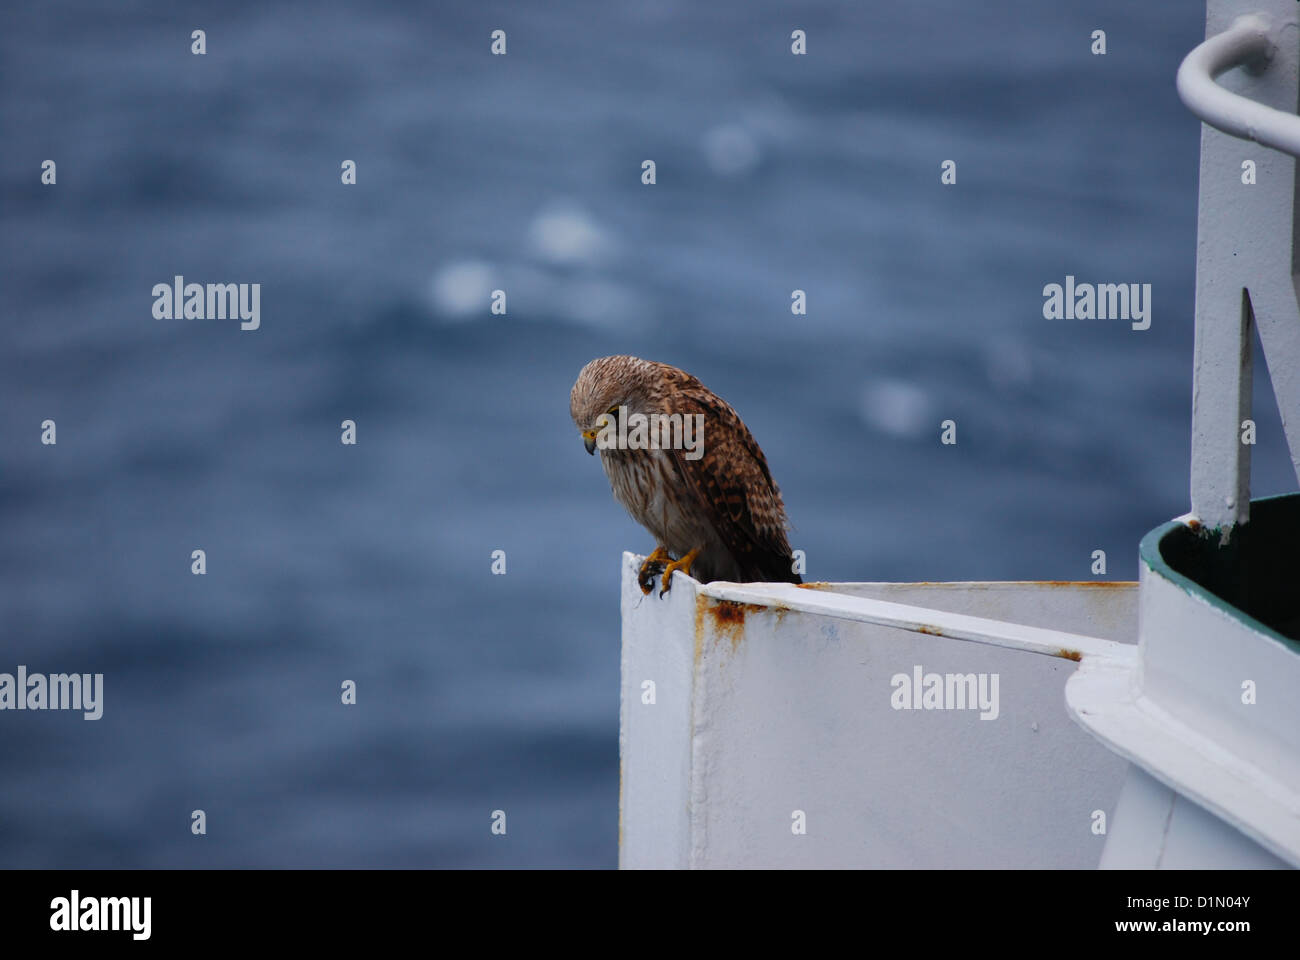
1248, 41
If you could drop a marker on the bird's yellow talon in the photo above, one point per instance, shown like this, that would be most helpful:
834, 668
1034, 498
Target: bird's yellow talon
650, 568
684, 565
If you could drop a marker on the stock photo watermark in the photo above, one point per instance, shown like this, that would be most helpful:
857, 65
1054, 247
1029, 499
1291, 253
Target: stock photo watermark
208, 301
1102, 301
58, 691
639, 431
75, 913
946, 691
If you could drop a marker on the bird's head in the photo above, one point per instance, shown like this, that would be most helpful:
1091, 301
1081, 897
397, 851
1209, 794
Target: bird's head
603, 387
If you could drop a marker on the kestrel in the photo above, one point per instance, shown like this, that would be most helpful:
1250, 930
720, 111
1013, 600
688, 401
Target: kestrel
700, 485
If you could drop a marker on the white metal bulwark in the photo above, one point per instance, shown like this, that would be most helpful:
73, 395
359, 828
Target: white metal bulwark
761, 727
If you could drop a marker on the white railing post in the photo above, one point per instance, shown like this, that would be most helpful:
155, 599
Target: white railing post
1246, 259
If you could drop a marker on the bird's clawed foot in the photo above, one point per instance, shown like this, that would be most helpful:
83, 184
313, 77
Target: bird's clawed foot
684, 565
651, 567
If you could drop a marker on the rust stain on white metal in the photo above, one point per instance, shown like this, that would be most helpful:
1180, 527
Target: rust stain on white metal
917, 618
1097, 584
700, 603
1112, 584
727, 619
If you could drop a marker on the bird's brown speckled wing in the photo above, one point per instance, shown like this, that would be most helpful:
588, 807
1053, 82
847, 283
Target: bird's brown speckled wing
731, 483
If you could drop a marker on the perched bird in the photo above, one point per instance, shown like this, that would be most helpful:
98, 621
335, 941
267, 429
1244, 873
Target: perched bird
682, 462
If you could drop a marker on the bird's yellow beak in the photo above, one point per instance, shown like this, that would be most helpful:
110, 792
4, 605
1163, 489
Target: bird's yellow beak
589, 441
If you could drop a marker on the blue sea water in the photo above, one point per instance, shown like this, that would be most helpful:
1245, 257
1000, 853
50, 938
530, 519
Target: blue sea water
371, 563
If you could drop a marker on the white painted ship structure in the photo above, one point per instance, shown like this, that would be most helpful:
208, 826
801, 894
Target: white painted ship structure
1040, 724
